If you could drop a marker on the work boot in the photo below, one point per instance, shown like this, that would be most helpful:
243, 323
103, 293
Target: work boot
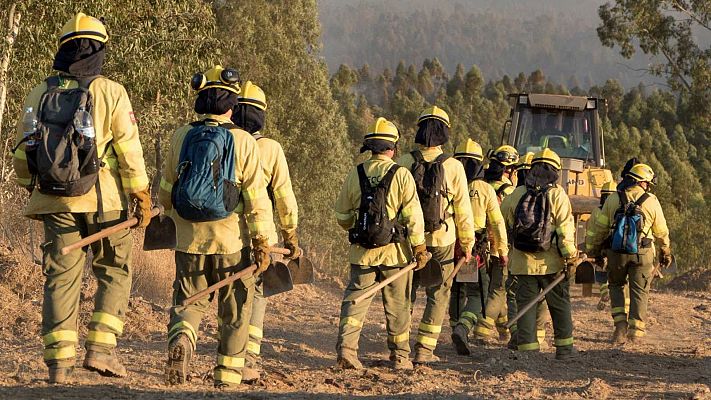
59, 375
106, 364
401, 363
180, 351
424, 356
504, 335
566, 353
460, 340
250, 375
620, 334
513, 342
348, 361
602, 304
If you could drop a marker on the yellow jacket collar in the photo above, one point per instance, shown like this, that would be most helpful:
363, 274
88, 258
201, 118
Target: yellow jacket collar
380, 157
435, 151
218, 118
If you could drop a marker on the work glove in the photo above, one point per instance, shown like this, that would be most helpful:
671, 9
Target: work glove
260, 252
291, 243
571, 264
421, 255
458, 252
601, 263
665, 257
142, 207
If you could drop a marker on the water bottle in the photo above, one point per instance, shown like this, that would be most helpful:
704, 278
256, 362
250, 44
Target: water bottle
84, 125
29, 124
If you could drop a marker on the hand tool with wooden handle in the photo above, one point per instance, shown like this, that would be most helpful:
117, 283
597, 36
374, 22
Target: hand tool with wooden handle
384, 283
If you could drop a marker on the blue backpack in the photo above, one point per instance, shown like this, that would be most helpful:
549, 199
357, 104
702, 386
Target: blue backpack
627, 228
206, 189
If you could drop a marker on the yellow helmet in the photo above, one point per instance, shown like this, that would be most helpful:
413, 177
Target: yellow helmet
643, 173
525, 161
469, 148
436, 113
83, 26
506, 155
609, 187
547, 156
384, 130
217, 77
253, 95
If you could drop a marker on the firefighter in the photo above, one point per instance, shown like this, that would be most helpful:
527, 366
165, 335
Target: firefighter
372, 265
448, 219
522, 168
601, 263
537, 269
121, 184
209, 250
502, 164
487, 221
637, 269
249, 115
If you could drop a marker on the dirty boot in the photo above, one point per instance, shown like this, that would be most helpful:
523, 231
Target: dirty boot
602, 304
424, 356
180, 351
250, 375
620, 334
59, 375
460, 340
401, 363
566, 353
513, 342
348, 361
106, 364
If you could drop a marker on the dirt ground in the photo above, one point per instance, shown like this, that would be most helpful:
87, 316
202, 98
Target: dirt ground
298, 355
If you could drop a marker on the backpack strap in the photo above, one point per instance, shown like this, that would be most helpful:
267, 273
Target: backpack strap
642, 199
442, 158
417, 155
388, 177
363, 180
500, 191
53, 82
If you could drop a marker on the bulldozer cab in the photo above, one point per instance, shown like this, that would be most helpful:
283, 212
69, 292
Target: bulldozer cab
570, 126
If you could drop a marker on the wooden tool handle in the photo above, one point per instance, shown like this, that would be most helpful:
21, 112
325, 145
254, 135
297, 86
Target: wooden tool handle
129, 223
384, 283
217, 286
457, 267
279, 250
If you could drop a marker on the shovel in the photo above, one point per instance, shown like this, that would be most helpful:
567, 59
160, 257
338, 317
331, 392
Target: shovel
160, 232
275, 282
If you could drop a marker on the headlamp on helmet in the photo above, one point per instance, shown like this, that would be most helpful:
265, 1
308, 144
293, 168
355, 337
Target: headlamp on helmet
506, 155
217, 77
643, 173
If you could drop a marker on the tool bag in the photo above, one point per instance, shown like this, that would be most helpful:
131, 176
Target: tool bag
627, 228
532, 228
373, 228
206, 189
62, 162
430, 181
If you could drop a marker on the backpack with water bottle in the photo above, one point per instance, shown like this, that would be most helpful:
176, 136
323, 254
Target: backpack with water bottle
60, 140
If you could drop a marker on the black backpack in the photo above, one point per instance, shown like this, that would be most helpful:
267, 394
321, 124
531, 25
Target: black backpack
373, 228
431, 188
63, 162
532, 230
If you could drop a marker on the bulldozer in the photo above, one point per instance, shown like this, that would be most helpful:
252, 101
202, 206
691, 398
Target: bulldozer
570, 126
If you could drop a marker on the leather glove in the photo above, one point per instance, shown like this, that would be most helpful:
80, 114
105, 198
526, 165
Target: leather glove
422, 256
291, 243
665, 257
142, 203
260, 252
571, 264
601, 262
458, 252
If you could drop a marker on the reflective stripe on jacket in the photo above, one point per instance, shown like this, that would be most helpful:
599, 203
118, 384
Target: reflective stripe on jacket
124, 170
563, 246
402, 197
459, 224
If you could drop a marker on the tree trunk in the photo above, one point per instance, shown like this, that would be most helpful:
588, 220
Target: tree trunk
13, 27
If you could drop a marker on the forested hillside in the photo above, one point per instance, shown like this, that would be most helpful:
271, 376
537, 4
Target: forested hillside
650, 124
501, 37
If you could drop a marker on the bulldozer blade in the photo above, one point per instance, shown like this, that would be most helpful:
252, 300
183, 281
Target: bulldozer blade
302, 270
431, 275
469, 273
277, 279
160, 234
585, 273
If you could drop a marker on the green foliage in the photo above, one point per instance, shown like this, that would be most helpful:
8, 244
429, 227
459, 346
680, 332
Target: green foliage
646, 125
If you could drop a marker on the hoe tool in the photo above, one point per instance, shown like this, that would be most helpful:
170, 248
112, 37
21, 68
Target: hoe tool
428, 279
160, 233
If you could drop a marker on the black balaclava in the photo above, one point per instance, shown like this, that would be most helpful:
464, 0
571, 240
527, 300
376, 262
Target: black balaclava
215, 101
474, 168
628, 166
541, 175
248, 117
495, 171
80, 58
432, 132
377, 145
521, 176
